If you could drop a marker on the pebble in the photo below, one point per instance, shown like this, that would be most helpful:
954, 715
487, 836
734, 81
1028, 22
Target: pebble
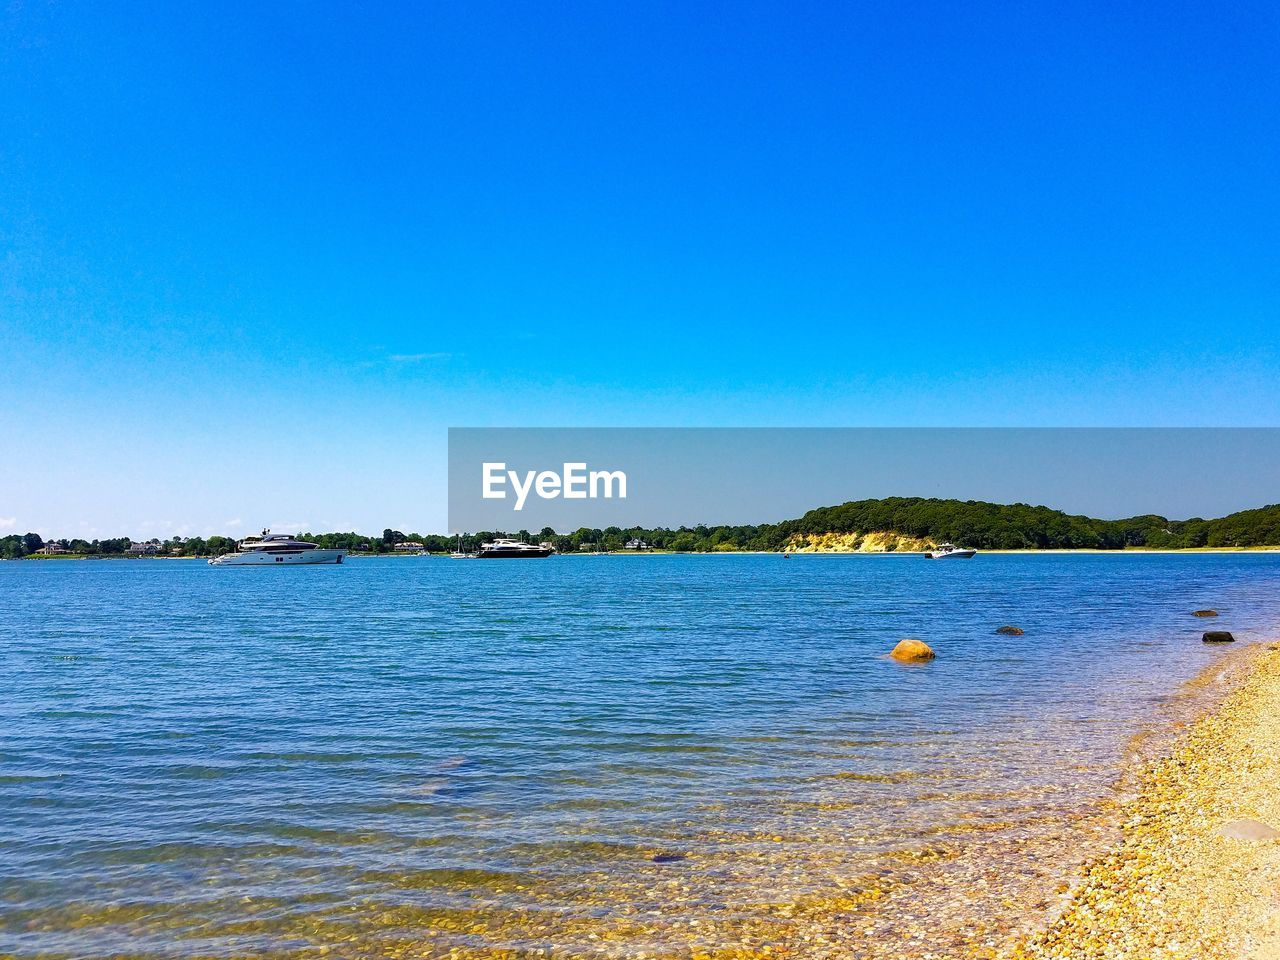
1248, 830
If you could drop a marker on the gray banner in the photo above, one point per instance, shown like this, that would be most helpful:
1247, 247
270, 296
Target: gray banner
565, 478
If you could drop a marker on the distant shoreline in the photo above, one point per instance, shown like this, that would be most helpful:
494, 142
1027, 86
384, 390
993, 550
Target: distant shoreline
1048, 551
886, 525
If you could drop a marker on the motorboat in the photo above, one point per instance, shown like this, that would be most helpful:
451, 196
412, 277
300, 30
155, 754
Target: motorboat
949, 551
272, 548
504, 549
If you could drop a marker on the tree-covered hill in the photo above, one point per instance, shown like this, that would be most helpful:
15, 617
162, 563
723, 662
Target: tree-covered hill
996, 526
973, 523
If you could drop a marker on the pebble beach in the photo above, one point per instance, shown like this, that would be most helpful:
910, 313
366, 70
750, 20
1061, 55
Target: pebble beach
1196, 875
1182, 864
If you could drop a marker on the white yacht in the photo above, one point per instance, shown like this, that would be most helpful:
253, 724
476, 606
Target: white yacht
273, 548
949, 551
503, 549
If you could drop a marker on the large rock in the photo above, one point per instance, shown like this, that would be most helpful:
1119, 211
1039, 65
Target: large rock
1011, 631
1248, 830
912, 651
1204, 613
1217, 636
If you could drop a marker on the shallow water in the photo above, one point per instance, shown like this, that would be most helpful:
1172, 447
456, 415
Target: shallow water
583, 755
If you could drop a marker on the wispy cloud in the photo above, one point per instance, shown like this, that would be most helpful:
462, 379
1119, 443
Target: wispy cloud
418, 357
8, 523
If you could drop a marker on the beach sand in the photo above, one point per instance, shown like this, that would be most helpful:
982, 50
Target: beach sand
1174, 886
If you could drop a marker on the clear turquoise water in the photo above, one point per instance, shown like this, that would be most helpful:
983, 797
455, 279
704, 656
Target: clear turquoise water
584, 754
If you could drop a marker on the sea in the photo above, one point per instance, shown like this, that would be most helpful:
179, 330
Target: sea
582, 756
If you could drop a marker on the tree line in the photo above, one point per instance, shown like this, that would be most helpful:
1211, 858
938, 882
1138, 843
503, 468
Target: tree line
972, 523
16, 546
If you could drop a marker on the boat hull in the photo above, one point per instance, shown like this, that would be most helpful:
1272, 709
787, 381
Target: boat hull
265, 559
514, 554
953, 555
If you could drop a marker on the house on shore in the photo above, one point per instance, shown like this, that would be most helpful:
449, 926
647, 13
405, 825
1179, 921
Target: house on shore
636, 544
51, 549
408, 545
143, 549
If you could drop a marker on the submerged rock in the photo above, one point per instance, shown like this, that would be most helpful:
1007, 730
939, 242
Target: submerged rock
1204, 613
668, 858
1248, 830
1217, 636
1011, 631
912, 651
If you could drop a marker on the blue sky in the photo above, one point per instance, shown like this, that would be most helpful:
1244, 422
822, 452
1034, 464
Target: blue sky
253, 238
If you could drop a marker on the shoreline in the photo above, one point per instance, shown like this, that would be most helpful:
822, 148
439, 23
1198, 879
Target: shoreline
1081, 551
1139, 872
1171, 885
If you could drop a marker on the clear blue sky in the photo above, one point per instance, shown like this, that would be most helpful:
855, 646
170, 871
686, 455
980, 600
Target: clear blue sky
246, 241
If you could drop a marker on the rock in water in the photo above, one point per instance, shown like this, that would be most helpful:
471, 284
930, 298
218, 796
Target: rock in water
1204, 613
912, 651
1011, 631
1248, 830
1217, 636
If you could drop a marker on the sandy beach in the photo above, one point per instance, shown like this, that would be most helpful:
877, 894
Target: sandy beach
1175, 886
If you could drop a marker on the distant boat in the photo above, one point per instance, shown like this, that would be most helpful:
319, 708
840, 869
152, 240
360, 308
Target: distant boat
949, 551
459, 554
273, 548
503, 549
